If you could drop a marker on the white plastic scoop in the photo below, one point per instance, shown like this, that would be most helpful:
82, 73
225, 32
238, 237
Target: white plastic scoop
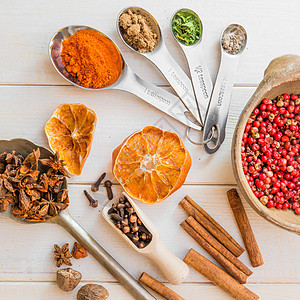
173, 268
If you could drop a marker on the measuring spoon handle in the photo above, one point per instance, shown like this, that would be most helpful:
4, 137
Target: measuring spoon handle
200, 76
133, 287
220, 101
177, 78
157, 97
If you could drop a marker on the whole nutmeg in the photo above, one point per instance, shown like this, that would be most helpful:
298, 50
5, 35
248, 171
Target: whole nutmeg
92, 292
67, 279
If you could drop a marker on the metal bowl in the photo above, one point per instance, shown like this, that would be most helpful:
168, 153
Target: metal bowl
281, 76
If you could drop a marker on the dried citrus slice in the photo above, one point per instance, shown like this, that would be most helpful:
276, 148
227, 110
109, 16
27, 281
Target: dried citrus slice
151, 164
70, 132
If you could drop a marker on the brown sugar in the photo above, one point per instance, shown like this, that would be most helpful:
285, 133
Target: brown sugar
137, 32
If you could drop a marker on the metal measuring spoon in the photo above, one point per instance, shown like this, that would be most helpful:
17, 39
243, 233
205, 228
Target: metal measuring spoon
163, 60
127, 81
24, 147
199, 72
220, 100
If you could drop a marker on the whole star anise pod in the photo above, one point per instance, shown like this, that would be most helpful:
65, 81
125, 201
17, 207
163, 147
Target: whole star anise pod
7, 195
56, 166
62, 255
32, 160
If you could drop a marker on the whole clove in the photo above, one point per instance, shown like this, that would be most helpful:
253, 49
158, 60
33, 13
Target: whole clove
95, 186
109, 192
93, 202
126, 219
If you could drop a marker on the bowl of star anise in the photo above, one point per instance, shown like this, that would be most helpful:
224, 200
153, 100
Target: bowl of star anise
32, 181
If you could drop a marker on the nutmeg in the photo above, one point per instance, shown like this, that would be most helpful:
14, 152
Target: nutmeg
92, 292
67, 279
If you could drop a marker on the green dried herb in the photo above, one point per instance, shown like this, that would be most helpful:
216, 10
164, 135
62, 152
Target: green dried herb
186, 27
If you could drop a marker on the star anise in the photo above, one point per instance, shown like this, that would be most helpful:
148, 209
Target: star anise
35, 195
29, 163
62, 255
7, 195
56, 166
51, 206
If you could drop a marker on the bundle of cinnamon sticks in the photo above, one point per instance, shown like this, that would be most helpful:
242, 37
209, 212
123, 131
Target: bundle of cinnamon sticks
212, 237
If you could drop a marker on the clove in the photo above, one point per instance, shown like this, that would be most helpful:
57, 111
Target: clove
126, 219
95, 186
109, 192
93, 202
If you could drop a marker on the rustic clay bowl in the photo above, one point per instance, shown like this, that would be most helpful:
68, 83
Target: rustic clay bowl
281, 76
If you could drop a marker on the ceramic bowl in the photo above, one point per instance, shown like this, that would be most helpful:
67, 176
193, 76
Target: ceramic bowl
281, 76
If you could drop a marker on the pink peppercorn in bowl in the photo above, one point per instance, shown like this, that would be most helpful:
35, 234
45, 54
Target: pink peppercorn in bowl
273, 199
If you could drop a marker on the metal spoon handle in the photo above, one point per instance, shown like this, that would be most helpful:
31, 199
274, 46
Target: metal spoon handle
179, 81
220, 100
200, 76
133, 287
157, 97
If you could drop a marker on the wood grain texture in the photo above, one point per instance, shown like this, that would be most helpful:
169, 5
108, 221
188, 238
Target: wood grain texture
30, 26
119, 114
49, 291
26, 254
30, 90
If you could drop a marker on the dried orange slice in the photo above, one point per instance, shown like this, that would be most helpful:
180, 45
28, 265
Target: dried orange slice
151, 164
70, 132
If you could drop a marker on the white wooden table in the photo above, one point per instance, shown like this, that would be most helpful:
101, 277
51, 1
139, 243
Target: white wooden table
30, 90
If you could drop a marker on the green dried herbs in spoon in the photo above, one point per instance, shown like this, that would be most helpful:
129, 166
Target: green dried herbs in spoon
186, 27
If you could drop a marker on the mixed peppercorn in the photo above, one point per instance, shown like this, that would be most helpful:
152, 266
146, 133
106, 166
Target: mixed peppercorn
271, 152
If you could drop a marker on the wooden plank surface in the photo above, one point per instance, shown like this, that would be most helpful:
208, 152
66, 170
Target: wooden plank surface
49, 291
36, 264
38, 103
30, 90
271, 26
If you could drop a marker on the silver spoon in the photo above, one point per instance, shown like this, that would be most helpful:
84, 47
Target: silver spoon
217, 113
24, 147
128, 81
161, 57
197, 64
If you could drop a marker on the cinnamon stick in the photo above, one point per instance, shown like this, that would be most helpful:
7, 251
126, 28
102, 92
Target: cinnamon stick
159, 287
217, 245
245, 228
213, 221
218, 276
225, 263
209, 226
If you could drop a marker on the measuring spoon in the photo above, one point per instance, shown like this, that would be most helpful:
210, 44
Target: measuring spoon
127, 81
24, 147
162, 59
217, 113
198, 69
